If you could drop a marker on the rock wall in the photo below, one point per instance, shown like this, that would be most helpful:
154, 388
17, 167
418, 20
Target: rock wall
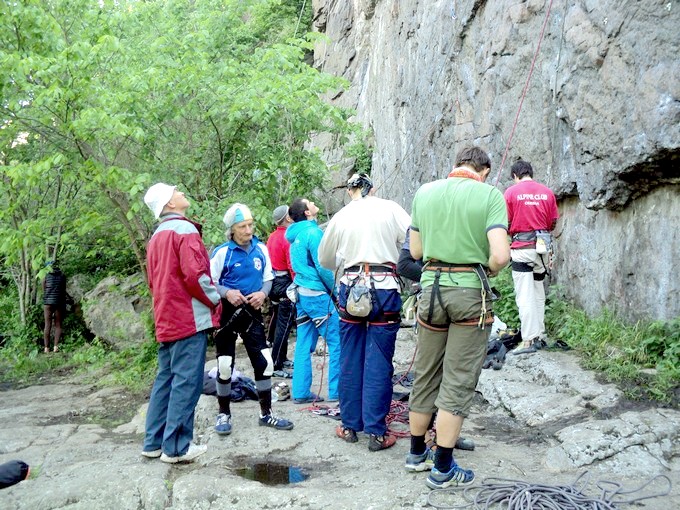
600, 119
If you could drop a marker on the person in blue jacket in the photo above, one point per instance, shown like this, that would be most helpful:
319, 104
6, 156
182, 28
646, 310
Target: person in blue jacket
316, 313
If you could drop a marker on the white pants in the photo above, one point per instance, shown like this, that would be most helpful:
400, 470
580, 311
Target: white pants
530, 293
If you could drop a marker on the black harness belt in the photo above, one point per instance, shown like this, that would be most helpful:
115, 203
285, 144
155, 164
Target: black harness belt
522, 267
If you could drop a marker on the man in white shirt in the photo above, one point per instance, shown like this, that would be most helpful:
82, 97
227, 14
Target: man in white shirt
362, 242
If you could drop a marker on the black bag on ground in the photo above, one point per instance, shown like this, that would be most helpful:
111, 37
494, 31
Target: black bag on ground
13, 472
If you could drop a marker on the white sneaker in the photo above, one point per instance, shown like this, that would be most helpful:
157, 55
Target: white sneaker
194, 451
152, 454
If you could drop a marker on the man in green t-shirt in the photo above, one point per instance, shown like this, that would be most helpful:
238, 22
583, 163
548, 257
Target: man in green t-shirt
459, 227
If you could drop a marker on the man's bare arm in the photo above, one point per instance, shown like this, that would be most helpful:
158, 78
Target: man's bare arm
499, 249
416, 246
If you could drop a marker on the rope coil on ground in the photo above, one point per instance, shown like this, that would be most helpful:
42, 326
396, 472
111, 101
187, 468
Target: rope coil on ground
510, 494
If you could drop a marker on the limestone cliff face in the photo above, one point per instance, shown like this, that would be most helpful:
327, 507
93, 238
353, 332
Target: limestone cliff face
600, 121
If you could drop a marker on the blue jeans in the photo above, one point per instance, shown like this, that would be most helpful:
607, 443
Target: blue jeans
324, 323
175, 393
367, 349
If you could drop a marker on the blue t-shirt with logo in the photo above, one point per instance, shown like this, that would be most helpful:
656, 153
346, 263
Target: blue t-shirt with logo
242, 268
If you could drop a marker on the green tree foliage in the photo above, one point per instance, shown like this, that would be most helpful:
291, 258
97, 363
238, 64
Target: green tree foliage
100, 99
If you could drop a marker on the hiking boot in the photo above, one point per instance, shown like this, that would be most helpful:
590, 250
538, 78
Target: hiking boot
275, 422
223, 425
456, 476
152, 454
422, 462
194, 451
377, 443
346, 434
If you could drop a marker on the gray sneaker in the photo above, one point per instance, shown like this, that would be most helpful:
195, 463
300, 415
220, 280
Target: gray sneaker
194, 451
422, 462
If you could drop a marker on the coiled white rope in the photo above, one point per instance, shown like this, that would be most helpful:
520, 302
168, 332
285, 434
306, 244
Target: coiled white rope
509, 494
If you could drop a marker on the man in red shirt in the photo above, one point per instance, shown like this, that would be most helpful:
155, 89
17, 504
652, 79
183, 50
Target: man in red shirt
186, 306
532, 213
283, 310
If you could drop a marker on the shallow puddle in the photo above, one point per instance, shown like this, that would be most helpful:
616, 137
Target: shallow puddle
272, 473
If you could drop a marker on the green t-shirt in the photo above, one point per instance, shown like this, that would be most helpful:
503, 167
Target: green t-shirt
453, 216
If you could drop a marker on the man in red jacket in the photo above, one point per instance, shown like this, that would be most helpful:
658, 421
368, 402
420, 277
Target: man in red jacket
186, 306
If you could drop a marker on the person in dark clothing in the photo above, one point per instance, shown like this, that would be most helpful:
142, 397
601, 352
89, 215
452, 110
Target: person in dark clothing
407, 266
54, 298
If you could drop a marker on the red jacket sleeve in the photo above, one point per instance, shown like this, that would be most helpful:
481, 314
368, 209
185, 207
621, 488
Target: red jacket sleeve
195, 267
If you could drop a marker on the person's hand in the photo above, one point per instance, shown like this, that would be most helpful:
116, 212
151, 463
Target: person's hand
256, 299
235, 297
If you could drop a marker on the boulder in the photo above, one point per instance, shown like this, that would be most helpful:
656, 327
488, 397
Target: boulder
117, 310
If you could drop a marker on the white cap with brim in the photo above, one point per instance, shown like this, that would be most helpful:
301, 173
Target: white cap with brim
158, 196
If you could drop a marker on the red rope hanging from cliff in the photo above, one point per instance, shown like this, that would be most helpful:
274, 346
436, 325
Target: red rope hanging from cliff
524, 93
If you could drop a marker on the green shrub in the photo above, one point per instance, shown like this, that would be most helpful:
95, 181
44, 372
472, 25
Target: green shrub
644, 357
506, 308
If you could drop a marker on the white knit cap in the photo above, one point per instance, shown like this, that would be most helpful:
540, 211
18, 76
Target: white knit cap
158, 196
236, 214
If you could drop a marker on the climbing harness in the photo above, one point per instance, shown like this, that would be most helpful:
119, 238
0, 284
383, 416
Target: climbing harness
361, 299
543, 245
485, 316
241, 312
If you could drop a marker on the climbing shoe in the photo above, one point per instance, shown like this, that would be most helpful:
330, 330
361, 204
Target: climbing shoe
346, 434
377, 443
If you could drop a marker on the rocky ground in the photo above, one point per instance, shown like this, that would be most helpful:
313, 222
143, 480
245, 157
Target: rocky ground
540, 419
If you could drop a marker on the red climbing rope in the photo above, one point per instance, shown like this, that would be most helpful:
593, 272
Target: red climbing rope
524, 92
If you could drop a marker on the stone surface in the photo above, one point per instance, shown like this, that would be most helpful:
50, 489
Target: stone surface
83, 457
600, 121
